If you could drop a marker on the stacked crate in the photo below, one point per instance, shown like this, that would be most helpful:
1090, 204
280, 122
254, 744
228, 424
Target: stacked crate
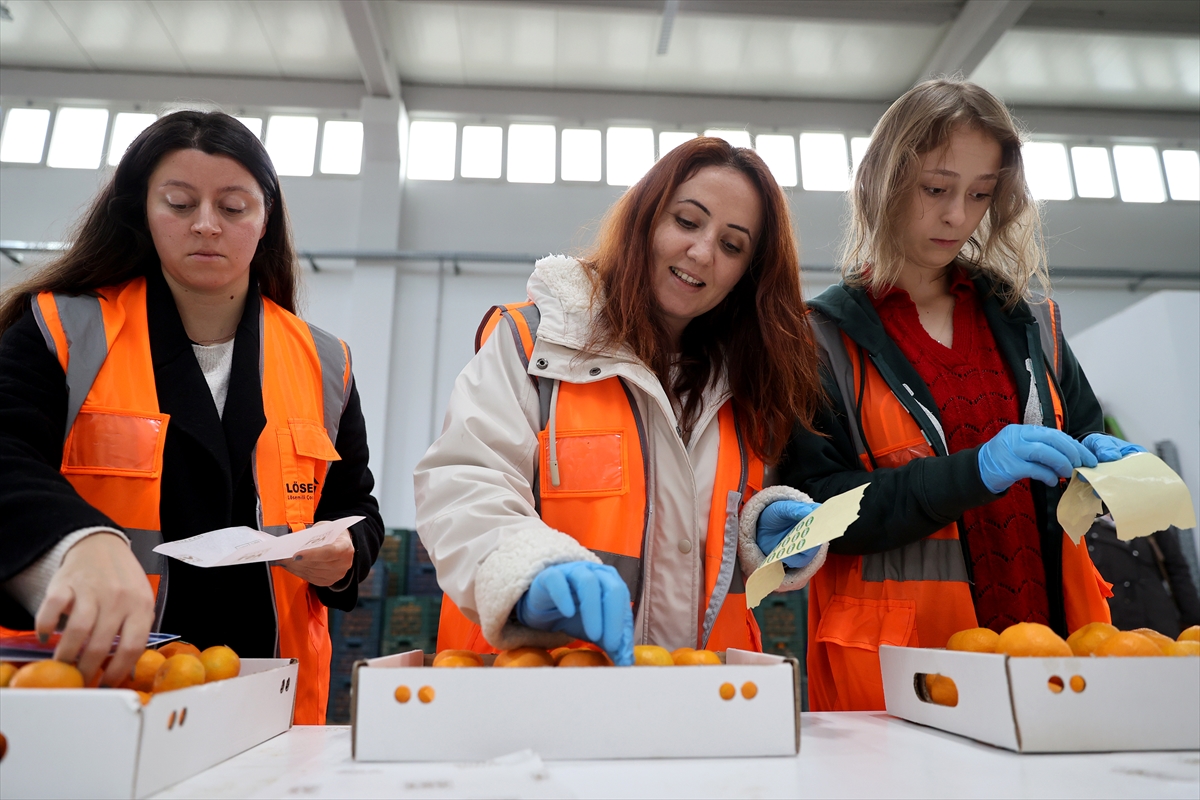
355, 635
413, 605
783, 621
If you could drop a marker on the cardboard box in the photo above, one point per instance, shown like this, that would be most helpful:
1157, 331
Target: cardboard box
105, 743
1051, 705
576, 713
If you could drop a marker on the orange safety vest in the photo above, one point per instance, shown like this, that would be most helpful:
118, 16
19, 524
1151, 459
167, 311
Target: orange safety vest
115, 436
917, 595
601, 498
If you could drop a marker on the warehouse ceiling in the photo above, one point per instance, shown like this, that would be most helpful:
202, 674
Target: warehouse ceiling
1143, 54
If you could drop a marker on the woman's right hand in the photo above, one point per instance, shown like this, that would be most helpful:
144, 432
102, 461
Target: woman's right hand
103, 591
585, 600
1030, 451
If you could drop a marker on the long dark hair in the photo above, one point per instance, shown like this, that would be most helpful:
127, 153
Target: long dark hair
112, 243
758, 334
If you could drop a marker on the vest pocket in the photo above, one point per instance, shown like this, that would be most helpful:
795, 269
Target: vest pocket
590, 463
304, 449
851, 629
107, 441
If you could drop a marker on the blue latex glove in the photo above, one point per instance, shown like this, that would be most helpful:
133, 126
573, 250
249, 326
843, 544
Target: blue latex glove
585, 600
776, 521
1030, 451
1110, 448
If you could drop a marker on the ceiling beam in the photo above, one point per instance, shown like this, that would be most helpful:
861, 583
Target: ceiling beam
368, 31
974, 33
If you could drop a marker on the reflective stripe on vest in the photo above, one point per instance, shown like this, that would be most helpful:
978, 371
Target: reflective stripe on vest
112, 454
600, 440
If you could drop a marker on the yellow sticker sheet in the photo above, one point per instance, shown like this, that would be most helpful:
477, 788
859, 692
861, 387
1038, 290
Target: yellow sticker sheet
825, 524
1142, 493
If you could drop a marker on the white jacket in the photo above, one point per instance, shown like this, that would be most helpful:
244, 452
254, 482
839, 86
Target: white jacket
475, 506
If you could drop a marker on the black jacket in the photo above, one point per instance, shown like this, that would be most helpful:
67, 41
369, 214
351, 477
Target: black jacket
908, 503
207, 481
1152, 582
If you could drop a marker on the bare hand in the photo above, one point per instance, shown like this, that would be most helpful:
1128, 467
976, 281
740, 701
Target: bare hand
103, 590
324, 565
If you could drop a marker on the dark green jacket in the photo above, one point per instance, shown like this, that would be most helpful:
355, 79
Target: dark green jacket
908, 503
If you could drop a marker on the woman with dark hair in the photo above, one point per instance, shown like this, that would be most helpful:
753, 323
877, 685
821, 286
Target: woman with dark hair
156, 384
599, 452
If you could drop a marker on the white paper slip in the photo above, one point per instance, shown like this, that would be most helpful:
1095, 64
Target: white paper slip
1143, 494
823, 525
242, 545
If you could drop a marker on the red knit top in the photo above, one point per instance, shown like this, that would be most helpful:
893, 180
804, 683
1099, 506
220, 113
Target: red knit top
977, 396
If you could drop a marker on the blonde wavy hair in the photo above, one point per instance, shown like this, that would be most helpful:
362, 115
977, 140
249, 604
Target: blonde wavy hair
1007, 246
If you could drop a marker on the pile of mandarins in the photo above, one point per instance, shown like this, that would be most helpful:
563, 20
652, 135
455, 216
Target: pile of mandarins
175, 665
647, 655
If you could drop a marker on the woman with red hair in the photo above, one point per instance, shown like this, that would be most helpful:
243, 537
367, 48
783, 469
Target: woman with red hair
594, 476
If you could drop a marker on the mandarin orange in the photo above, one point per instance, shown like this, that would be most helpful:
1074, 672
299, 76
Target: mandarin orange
1191, 634
1084, 641
48, 674
1159, 639
1031, 639
178, 672
524, 657
696, 658
583, 657
974, 640
176, 647
1128, 643
1184, 648
651, 655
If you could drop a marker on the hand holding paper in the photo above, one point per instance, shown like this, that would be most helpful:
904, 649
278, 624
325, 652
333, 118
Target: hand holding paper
1143, 494
242, 545
828, 522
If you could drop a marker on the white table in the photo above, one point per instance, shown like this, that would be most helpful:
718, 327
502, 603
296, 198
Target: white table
841, 755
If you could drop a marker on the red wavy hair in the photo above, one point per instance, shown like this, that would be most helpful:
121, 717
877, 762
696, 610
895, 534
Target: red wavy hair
758, 335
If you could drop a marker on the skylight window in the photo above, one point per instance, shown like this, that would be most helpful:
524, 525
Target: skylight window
126, 127
482, 151
24, 135
734, 137
78, 138
1138, 175
1046, 170
292, 144
858, 149
824, 166
1093, 174
1183, 173
531, 153
669, 140
341, 147
580, 154
431, 150
779, 153
630, 154
253, 123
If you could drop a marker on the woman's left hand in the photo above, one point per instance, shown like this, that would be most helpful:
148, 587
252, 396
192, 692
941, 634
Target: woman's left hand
1110, 448
776, 522
324, 565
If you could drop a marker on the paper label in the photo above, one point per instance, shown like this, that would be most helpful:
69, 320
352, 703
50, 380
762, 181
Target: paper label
242, 545
1142, 493
823, 525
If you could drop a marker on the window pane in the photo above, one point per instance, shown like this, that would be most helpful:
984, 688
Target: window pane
1093, 176
24, 135
531, 152
1138, 174
630, 153
253, 123
341, 147
126, 128
78, 138
431, 149
669, 140
580, 155
823, 162
1046, 170
779, 153
734, 137
482, 151
292, 144
858, 149
1183, 173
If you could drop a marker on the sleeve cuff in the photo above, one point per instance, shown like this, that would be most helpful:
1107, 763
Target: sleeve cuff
29, 586
752, 557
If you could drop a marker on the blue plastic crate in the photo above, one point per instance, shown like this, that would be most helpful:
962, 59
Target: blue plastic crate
410, 623
393, 556
421, 576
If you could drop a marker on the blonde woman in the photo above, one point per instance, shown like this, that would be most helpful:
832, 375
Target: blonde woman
953, 394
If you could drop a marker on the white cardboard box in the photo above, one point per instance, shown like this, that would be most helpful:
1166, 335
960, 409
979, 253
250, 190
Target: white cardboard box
575, 713
1124, 703
105, 743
